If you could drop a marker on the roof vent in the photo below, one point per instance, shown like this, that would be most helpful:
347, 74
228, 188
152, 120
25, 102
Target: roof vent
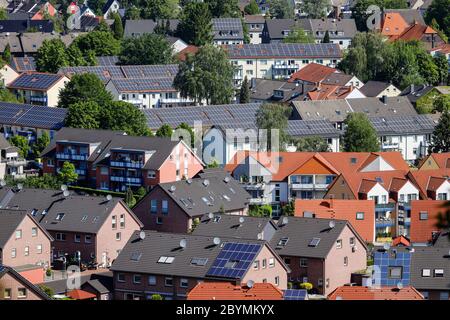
172, 188
142, 235
331, 224
216, 241
259, 236
206, 182
183, 243
241, 220
189, 181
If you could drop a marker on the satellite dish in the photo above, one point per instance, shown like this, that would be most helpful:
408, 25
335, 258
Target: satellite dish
66, 193
108, 197
259, 236
183, 243
399, 286
226, 179
241, 220
20, 186
142, 235
331, 224
285, 220
206, 182
210, 215
63, 187
386, 246
2, 183
250, 283
216, 241
173, 188
189, 181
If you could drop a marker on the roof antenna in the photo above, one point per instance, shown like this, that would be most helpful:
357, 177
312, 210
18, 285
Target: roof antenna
66, 193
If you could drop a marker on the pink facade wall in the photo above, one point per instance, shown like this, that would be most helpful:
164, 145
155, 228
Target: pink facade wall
9, 282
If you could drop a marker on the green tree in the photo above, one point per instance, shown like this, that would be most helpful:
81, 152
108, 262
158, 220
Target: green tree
260, 211
48, 291
75, 57
440, 140
442, 103
7, 53
442, 67
103, 43
213, 164
244, 93
129, 198
159, 9
120, 115
298, 35
280, 9
185, 126
311, 144
41, 143
133, 13
360, 135
82, 88
206, 76
223, 8
118, 26
252, 8
316, 9
8, 96
274, 116
51, 56
3, 14
195, 26
22, 144
83, 114
164, 131
67, 174
157, 297
146, 49
326, 38
440, 11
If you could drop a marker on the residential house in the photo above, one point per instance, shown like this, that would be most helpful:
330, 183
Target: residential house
415, 93
392, 267
13, 286
23, 241
424, 219
38, 88
26, 25
360, 213
369, 293
229, 291
265, 90
23, 64
395, 21
110, 7
255, 26
423, 33
435, 161
32, 41
11, 40
379, 89
333, 92
11, 160
7, 75
172, 264
279, 60
424, 97
29, 120
33, 9
174, 206
112, 160
93, 227
322, 252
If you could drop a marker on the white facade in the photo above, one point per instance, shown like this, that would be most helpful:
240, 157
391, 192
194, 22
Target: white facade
7, 75
443, 192
379, 164
379, 194
408, 192
390, 91
411, 147
112, 9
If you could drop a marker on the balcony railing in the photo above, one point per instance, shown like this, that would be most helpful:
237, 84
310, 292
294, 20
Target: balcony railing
38, 99
384, 207
254, 186
309, 186
389, 145
16, 163
81, 172
286, 66
131, 180
383, 223
71, 156
260, 201
127, 164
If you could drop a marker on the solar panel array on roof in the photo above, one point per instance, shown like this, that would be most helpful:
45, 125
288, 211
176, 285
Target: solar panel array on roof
403, 124
311, 127
394, 268
234, 260
295, 294
227, 28
145, 85
107, 60
35, 81
22, 64
26, 115
287, 50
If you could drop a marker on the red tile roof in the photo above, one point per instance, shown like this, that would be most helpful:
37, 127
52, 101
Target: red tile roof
80, 295
414, 32
422, 179
329, 92
313, 73
366, 293
442, 159
229, 291
393, 24
422, 230
189, 50
401, 240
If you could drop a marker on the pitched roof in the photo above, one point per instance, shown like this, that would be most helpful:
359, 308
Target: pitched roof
410, 16
266, 89
374, 88
401, 240
35, 81
431, 258
277, 27
408, 124
23, 281
105, 280
415, 32
337, 78
229, 291
143, 85
368, 293
442, 159
227, 28
393, 24
78, 294
23, 64
337, 28
415, 92
21, 26
329, 92
312, 72
422, 178
9, 221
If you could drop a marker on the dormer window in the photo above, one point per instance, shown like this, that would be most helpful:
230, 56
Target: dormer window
60, 216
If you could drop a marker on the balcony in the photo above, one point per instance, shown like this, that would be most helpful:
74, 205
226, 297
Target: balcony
286, 66
40, 99
254, 186
309, 186
384, 207
259, 201
127, 164
405, 206
389, 146
130, 180
71, 156
16, 163
80, 172
384, 223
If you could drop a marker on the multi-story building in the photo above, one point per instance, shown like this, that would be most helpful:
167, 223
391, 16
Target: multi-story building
170, 264
111, 160
255, 26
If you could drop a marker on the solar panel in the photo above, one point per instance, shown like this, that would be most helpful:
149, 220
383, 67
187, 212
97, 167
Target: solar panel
295, 294
385, 261
35, 81
291, 50
234, 260
107, 60
32, 116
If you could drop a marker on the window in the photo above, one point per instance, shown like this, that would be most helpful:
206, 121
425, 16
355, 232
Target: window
395, 272
39, 248
352, 241
271, 262
122, 221
13, 253
423, 215
114, 222
264, 263
287, 261
320, 282
283, 241
87, 238
159, 220
137, 278
7, 294
151, 280
77, 238
184, 283
165, 206
438, 273
256, 265
426, 273
345, 261
304, 263
249, 61
104, 171
360, 216
27, 251
151, 174
277, 280
166, 260
34, 232
199, 261
443, 295
425, 294
153, 206
18, 234
120, 277
314, 242
118, 236
339, 244
168, 282
61, 236
60, 216
21, 293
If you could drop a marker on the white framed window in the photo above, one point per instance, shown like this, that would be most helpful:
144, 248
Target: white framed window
7, 294
88, 238
438, 273
118, 236
360, 216
34, 232
184, 283
256, 265
151, 174
61, 236
153, 206
18, 234
339, 244
426, 273
122, 221
271, 262
277, 280
168, 281
137, 278
264, 263
27, 251
21, 293
151, 280
345, 261
114, 222
77, 238
303, 263
120, 277
39, 248
13, 252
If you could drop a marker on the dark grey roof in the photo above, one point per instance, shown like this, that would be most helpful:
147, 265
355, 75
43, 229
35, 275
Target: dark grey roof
98, 286
107, 60
337, 78
411, 16
275, 27
374, 88
263, 89
139, 27
410, 124
35, 81
157, 244
22, 64
415, 92
305, 128
430, 258
391, 106
337, 28
107, 5
301, 231
144, 85
35, 289
442, 240
284, 50
332, 110
4, 144
9, 221
223, 225
26, 115
24, 25
200, 196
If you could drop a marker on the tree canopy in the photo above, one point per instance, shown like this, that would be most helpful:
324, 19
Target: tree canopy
274, 116
252, 8
440, 140
223, 8
298, 35
244, 93
146, 49
311, 144
51, 56
280, 9
316, 9
67, 174
439, 10
164, 131
195, 26
159, 9
360, 135
102, 43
